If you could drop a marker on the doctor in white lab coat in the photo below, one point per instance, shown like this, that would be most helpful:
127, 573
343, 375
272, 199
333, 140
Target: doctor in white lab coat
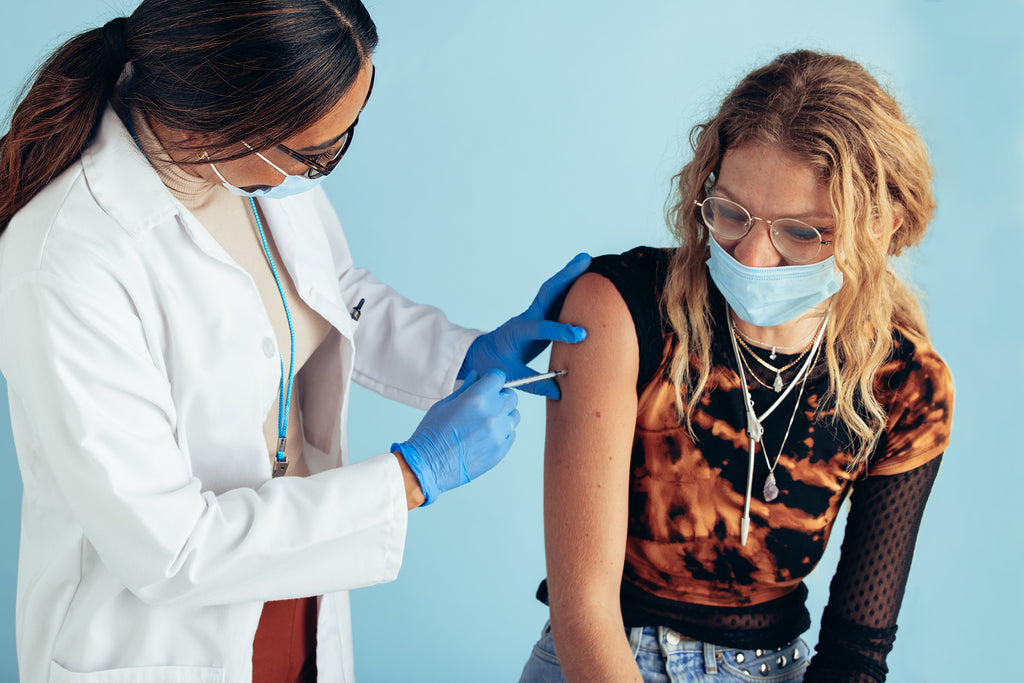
147, 350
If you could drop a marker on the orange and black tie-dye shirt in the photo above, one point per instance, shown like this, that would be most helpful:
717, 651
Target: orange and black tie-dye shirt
685, 566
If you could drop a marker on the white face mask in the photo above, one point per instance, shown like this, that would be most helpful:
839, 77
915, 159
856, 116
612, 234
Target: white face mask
292, 185
770, 296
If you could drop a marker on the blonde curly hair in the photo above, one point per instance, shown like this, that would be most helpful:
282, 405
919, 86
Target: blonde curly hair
831, 113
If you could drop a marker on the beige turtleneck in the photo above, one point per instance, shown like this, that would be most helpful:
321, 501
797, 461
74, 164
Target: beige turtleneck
229, 219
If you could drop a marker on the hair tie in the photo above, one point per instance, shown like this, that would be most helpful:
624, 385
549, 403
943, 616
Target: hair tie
114, 45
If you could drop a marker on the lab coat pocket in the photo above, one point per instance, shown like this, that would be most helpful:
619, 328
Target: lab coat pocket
140, 674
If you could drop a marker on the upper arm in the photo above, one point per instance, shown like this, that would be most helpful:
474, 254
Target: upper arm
588, 445
408, 352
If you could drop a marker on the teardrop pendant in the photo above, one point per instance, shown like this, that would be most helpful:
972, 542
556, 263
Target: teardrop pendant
778, 383
770, 491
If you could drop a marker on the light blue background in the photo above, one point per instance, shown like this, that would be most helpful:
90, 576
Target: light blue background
504, 137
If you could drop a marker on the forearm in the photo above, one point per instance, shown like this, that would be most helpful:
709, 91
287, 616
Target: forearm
592, 645
859, 624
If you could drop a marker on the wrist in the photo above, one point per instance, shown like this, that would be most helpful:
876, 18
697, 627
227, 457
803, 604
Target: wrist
467, 361
414, 496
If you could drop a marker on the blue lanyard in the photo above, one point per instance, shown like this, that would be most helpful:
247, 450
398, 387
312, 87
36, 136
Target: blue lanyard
284, 397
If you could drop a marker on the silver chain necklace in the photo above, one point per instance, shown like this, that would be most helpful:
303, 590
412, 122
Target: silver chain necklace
755, 431
775, 347
777, 384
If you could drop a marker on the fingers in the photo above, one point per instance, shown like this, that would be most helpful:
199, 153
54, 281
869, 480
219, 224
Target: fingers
531, 330
492, 380
467, 381
547, 388
560, 332
504, 431
493, 398
503, 411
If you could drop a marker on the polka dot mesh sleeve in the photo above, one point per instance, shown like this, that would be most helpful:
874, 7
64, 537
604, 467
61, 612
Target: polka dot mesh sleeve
859, 624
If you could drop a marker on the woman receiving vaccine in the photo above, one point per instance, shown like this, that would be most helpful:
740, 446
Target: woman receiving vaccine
737, 389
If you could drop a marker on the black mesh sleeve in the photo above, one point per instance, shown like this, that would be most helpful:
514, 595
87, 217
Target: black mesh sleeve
859, 624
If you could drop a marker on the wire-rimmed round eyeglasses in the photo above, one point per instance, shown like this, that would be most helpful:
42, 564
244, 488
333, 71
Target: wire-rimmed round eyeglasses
797, 241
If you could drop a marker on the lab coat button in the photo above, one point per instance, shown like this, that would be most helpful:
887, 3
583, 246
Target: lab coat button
268, 347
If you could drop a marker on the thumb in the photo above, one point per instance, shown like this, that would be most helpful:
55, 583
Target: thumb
467, 382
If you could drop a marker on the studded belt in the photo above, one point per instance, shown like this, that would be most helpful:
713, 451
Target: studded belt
763, 662
778, 664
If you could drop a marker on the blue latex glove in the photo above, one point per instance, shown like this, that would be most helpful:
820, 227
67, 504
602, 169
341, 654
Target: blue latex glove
518, 341
463, 435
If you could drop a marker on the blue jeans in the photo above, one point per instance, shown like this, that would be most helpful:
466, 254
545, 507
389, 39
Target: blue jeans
663, 657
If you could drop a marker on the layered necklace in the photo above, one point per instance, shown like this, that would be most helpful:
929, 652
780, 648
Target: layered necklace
777, 384
802, 344
755, 430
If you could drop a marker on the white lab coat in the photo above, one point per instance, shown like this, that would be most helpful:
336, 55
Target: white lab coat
141, 366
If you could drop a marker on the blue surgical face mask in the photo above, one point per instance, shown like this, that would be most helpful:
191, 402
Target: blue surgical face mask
770, 296
293, 184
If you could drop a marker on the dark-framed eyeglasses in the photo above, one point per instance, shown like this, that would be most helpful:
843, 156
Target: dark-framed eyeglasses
322, 164
797, 241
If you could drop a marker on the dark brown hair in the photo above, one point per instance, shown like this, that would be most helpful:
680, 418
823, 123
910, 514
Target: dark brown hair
230, 70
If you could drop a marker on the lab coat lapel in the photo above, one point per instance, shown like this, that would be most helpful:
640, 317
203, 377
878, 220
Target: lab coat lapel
307, 257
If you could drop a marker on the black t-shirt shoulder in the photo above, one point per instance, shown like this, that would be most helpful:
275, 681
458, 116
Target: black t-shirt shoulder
639, 276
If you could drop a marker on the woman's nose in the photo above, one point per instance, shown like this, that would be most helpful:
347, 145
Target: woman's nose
755, 249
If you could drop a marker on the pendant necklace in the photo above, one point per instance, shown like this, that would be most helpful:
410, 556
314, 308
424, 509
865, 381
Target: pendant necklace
775, 347
755, 430
770, 491
777, 385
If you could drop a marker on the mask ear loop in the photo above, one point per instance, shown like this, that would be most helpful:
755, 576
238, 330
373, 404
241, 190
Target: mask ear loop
271, 163
223, 180
206, 155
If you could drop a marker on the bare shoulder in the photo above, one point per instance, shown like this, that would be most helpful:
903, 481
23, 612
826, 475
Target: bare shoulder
594, 299
609, 355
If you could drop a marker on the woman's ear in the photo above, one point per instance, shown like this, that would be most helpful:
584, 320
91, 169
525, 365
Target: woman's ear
896, 242
183, 146
897, 221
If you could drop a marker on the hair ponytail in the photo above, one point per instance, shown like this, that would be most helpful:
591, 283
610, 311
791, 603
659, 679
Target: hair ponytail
53, 123
232, 71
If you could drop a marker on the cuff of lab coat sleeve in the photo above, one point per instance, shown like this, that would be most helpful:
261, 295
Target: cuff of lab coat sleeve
381, 480
459, 350
396, 499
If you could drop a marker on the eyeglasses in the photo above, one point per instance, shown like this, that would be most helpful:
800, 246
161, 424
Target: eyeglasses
797, 241
322, 164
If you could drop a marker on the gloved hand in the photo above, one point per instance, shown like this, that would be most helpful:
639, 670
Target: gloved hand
518, 341
463, 435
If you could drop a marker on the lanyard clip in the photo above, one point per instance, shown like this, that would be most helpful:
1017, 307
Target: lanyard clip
281, 461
